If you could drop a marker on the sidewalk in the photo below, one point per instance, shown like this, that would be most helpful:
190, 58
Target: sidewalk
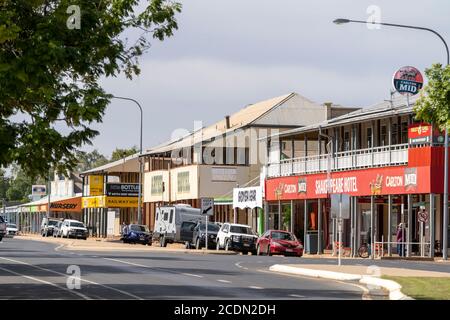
96, 244
367, 275
329, 255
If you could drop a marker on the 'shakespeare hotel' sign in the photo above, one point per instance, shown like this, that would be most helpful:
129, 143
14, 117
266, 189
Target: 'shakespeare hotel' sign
376, 181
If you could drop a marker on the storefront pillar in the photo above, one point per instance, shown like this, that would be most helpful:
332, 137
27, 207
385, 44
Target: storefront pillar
432, 226
235, 213
319, 226
409, 234
292, 216
266, 216
372, 216
279, 214
305, 224
260, 221
389, 251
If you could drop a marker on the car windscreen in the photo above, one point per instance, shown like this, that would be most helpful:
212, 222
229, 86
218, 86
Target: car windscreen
282, 236
53, 222
239, 229
135, 227
77, 224
211, 227
10, 225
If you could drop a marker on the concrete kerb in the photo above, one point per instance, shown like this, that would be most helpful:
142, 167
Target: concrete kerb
392, 287
80, 245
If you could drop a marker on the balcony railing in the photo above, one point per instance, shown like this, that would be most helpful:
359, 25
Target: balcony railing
345, 160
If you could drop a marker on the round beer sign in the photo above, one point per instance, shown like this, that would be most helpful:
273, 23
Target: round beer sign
407, 81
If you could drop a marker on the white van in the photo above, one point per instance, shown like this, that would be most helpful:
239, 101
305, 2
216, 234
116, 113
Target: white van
175, 224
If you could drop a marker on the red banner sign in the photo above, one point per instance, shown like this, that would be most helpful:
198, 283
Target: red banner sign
376, 181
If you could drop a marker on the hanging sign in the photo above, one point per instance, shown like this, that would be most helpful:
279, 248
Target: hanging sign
407, 81
250, 197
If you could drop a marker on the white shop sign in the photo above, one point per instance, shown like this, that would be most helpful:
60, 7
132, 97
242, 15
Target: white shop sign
250, 197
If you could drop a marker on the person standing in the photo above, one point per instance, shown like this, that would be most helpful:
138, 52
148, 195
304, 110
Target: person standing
400, 241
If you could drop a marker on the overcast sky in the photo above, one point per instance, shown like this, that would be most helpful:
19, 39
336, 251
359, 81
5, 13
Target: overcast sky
230, 53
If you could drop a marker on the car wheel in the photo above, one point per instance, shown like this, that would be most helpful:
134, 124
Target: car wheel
227, 245
268, 253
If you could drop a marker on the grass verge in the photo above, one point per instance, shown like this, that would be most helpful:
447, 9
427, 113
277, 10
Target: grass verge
424, 288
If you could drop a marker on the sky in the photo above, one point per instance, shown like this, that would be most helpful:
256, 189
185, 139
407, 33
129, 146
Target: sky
231, 53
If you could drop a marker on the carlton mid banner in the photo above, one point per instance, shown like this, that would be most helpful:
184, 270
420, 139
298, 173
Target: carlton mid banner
377, 181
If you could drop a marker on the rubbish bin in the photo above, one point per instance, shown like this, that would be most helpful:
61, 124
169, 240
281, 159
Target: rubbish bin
311, 242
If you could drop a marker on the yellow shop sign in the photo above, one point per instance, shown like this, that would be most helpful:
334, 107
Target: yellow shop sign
122, 202
93, 202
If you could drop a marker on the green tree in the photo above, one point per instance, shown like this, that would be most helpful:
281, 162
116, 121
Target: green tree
89, 160
4, 184
433, 106
122, 153
20, 185
51, 62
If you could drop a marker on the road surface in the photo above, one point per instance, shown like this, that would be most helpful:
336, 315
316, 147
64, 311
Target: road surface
39, 270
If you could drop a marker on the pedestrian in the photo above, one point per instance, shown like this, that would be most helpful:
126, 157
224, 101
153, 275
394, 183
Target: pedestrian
124, 228
400, 240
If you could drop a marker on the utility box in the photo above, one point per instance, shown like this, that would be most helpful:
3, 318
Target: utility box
311, 244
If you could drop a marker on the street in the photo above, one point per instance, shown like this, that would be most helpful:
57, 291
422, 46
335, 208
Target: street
38, 270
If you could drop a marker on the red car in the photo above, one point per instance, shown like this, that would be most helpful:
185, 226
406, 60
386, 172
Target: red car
279, 242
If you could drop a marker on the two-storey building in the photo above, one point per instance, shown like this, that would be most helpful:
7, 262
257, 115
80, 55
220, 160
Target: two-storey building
211, 161
389, 164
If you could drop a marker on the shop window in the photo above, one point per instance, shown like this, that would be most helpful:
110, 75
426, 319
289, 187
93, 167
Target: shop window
383, 136
394, 134
183, 182
157, 185
369, 137
404, 132
346, 141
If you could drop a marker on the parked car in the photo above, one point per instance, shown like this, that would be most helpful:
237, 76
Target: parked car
47, 226
199, 235
11, 230
175, 224
74, 228
238, 237
57, 229
279, 242
137, 233
2, 228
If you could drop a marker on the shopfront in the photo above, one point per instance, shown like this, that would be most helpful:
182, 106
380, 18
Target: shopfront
381, 199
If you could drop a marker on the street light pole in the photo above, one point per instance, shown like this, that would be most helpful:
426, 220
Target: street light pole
140, 154
446, 164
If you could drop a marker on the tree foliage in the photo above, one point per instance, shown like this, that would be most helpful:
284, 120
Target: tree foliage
122, 153
90, 160
50, 71
433, 106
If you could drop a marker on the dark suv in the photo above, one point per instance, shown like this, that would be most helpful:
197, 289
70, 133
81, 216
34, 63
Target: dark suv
199, 235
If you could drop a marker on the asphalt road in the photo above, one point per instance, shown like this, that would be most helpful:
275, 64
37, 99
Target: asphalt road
39, 270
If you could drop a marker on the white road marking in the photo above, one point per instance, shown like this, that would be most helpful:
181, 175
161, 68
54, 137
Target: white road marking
130, 263
296, 296
238, 264
224, 281
192, 275
58, 247
255, 287
81, 279
94, 256
47, 282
